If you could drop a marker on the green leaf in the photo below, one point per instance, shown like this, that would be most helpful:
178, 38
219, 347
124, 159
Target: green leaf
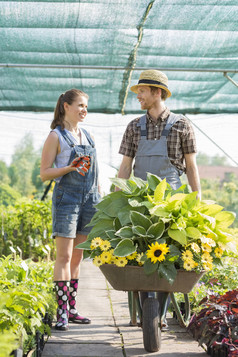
191, 200
160, 191
178, 235
138, 219
124, 248
111, 233
156, 229
135, 202
128, 186
210, 209
99, 229
138, 230
125, 232
174, 251
159, 211
153, 181
193, 232
116, 224
112, 204
224, 219
150, 267
124, 215
114, 242
168, 271
84, 245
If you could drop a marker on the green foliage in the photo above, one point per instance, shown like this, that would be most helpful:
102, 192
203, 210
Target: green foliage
26, 225
225, 193
4, 172
151, 219
22, 163
26, 294
218, 281
216, 160
8, 195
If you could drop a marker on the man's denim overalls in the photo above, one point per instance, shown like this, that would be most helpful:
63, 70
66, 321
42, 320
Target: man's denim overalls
152, 156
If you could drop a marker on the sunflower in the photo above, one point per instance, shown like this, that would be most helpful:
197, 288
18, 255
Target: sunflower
195, 247
189, 264
105, 245
132, 256
187, 255
121, 261
157, 252
218, 252
97, 261
106, 257
96, 242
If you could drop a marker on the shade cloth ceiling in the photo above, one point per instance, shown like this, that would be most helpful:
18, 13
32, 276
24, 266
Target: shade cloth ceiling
101, 46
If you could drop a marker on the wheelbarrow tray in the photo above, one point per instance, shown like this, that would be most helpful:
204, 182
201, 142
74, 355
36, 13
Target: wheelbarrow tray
133, 278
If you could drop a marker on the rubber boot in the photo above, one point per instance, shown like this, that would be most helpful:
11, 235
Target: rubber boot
74, 316
62, 294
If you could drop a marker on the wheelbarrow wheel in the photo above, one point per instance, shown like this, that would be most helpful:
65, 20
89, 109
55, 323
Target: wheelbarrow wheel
150, 325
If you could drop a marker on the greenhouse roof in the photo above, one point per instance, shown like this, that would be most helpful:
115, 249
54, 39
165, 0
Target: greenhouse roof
101, 46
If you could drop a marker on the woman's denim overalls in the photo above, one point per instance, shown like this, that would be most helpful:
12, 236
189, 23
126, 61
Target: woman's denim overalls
75, 195
152, 155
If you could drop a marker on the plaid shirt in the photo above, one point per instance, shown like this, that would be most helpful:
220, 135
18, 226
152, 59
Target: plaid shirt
181, 139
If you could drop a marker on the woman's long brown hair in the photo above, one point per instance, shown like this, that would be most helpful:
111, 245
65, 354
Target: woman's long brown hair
69, 97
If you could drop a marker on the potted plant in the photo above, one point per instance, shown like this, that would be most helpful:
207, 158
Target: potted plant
148, 225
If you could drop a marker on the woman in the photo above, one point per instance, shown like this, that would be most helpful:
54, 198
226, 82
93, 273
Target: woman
75, 194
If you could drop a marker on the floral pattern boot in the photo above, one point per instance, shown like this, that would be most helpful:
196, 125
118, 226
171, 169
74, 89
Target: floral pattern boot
62, 294
74, 316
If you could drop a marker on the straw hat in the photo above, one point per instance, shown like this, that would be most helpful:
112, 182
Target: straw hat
152, 77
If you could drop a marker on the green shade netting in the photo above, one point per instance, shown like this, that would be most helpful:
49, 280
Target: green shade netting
100, 47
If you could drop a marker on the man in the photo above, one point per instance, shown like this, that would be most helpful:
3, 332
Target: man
159, 142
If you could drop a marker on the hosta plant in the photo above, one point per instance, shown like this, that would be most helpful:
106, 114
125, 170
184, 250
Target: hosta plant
148, 224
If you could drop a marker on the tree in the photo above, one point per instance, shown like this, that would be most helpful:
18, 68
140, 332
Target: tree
23, 161
216, 160
4, 172
35, 176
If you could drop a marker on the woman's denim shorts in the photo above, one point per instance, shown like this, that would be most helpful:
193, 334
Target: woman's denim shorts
72, 211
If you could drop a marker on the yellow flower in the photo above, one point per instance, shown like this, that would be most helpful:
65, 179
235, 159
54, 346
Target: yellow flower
206, 247
106, 257
96, 242
206, 258
139, 259
218, 252
157, 252
207, 266
105, 245
121, 261
113, 260
132, 256
187, 255
195, 247
97, 261
189, 264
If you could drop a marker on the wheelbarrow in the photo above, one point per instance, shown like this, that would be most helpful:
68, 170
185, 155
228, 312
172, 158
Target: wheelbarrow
134, 280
